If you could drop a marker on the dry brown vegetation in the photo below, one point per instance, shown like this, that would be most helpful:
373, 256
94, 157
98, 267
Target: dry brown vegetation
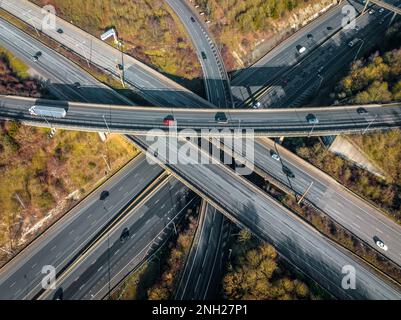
12, 70
37, 173
241, 25
256, 273
149, 29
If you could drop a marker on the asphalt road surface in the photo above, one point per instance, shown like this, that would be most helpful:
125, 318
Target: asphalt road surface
357, 215
57, 246
215, 76
269, 69
206, 261
311, 252
152, 84
266, 122
317, 68
148, 224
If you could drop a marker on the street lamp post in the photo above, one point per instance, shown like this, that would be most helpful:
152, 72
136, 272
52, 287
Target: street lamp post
121, 45
314, 125
360, 47
370, 123
105, 122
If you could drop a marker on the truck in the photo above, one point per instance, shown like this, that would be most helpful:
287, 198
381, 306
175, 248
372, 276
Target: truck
49, 111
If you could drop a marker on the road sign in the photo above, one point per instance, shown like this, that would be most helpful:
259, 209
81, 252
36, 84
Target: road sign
109, 33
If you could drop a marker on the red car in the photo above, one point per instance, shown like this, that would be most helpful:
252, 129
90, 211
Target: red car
169, 121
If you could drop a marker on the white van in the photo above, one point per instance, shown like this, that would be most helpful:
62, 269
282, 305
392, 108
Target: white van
301, 49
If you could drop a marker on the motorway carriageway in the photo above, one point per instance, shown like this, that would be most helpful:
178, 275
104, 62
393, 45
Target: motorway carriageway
243, 203
148, 223
63, 241
266, 122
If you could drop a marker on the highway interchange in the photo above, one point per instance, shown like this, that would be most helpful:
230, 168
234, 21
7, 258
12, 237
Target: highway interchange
223, 172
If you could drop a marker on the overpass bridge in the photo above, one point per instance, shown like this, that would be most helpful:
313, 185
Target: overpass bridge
149, 121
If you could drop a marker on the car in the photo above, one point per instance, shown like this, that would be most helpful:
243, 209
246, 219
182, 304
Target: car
119, 67
256, 105
287, 171
36, 56
104, 195
312, 119
329, 28
169, 121
309, 36
60, 31
357, 28
77, 85
202, 13
300, 49
371, 11
204, 57
124, 235
361, 110
274, 155
351, 44
381, 10
380, 243
208, 21
320, 69
381, 21
221, 117
192, 19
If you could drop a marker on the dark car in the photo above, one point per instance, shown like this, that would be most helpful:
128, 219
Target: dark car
104, 195
287, 171
77, 85
361, 110
120, 67
124, 235
310, 36
203, 55
312, 119
221, 117
36, 56
192, 19
60, 31
329, 28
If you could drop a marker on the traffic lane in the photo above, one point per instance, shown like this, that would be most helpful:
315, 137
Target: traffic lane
244, 203
361, 218
204, 281
285, 55
215, 80
326, 60
124, 118
145, 223
62, 241
60, 74
200, 268
104, 55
